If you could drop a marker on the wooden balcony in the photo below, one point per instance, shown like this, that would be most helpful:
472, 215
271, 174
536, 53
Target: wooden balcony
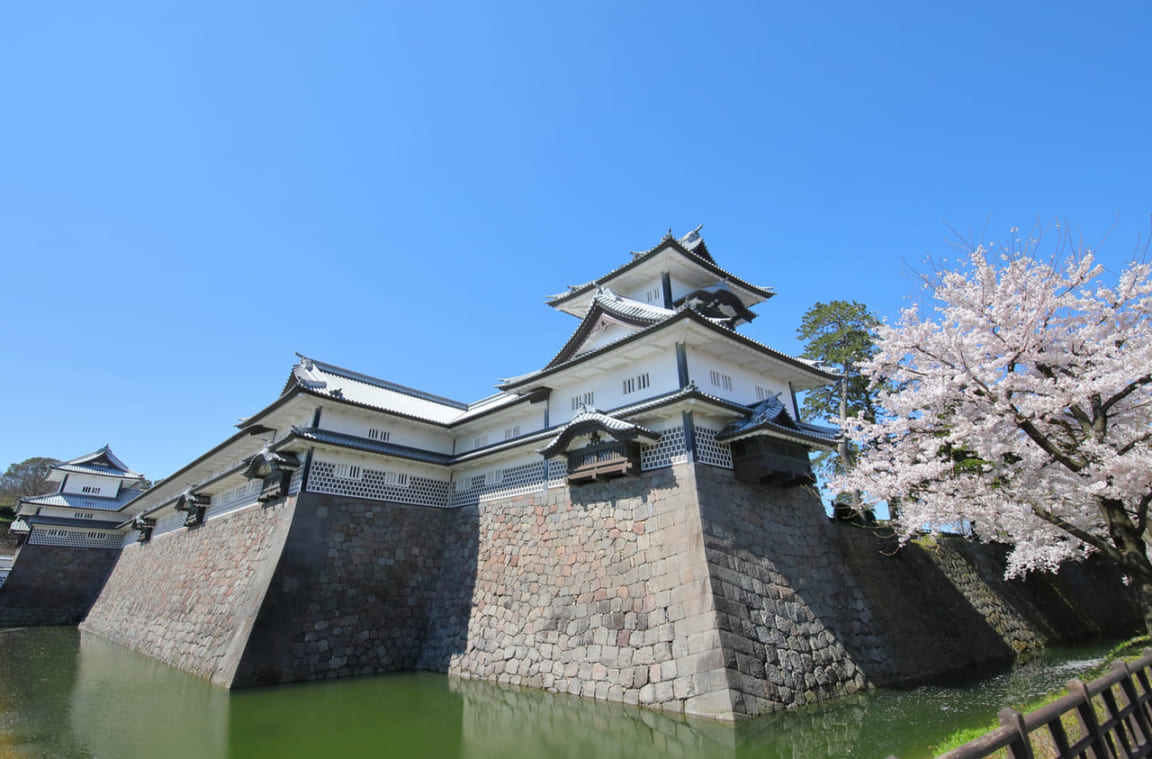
764, 459
603, 461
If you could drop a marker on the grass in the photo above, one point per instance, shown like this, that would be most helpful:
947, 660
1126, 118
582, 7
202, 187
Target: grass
1127, 650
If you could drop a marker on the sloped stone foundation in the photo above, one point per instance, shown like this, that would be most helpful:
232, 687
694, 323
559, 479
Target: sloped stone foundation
680, 589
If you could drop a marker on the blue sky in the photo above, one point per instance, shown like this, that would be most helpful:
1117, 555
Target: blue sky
192, 192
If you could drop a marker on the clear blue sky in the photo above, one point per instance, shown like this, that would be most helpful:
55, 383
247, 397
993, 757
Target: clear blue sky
189, 195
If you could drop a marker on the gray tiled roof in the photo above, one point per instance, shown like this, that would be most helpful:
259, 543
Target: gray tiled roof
343, 384
618, 304
687, 313
591, 418
770, 415
75, 501
92, 524
84, 463
691, 245
372, 446
88, 469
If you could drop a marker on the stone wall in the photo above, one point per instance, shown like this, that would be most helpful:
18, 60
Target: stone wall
351, 594
190, 597
53, 585
809, 609
777, 594
600, 591
679, 589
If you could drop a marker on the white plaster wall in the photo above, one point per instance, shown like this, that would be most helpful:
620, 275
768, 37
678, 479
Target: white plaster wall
651, 292
109, 486
608, 386
744, 381
611, 334
528, 416
55, 511
382, 464
353, 422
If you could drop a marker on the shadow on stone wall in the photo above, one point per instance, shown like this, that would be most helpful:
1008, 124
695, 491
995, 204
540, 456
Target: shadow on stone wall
446, 633
934, 625
353, 591
54, 585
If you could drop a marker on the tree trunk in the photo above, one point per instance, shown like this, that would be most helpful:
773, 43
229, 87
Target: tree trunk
1133, 555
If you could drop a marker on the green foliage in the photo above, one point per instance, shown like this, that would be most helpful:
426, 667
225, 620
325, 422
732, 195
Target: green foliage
29, 477
1129, 649
841, 334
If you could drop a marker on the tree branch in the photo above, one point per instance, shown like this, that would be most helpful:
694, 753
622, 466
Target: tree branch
1082, 535
1131, 388
1046, 445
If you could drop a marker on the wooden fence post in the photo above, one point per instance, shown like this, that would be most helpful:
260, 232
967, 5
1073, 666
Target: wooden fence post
1088, 717
1021, 746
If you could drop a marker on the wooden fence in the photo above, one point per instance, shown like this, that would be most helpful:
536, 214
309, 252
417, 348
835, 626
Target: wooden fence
1109, 718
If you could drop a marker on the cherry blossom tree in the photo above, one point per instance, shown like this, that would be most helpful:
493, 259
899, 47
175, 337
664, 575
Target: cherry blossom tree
1022, 407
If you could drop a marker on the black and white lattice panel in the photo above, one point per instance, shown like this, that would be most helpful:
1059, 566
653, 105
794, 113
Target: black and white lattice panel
376, 485
671, 449
75, 538
708, 451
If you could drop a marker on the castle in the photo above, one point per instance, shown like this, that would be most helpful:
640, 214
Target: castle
636, 521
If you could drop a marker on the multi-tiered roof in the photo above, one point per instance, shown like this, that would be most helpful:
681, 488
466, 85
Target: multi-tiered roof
87, 504
656, 361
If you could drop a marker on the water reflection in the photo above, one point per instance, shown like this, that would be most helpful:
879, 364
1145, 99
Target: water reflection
67, 696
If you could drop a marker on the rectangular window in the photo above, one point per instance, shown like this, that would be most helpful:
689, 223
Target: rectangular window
512, 431
480, 441
93, 489
399, 479
346, 471
582, 400
84, 516
374, 433
639, 382
656, 295
721, 380
763, 393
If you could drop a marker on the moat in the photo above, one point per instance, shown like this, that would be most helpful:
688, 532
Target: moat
64, 695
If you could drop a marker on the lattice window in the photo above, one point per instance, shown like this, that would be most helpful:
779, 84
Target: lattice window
375, 433
720, 380
585, 399
557, 473
671, 449
399, 479
92, 489
655, 295
75, 538
511, 432
632, 384
235, 499
169, 523
502, 483
480, 441
374, 485
763, 393
346, 471
709, 451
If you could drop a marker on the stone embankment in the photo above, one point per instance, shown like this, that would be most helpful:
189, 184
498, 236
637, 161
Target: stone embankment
680, 589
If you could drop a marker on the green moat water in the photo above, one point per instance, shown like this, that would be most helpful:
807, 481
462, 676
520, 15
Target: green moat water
64, 695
